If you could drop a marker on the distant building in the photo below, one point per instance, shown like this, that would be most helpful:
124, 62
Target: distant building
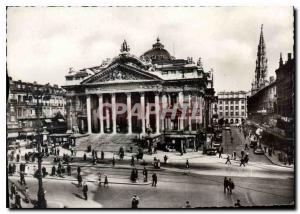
21, 117
232, 106
263, 104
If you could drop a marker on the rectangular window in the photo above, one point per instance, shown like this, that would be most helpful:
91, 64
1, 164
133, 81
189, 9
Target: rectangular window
243, 107
221, 114
221, 107
226, 102
243, 113
231, 107
236, 113
236, 107
242, 101
236, 102
226, 107
220, 101
231, 113
226, 113
231, 102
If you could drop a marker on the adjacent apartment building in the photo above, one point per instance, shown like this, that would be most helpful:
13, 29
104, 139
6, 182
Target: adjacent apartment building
232, 106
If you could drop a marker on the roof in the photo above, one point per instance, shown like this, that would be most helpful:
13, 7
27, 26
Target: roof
158, 52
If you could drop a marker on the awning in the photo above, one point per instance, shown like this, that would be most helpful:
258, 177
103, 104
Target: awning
12, 135
61, 120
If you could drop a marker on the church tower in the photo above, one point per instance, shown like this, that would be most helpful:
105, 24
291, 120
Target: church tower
261, 64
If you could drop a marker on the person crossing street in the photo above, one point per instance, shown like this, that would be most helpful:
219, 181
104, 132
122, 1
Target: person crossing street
228, 160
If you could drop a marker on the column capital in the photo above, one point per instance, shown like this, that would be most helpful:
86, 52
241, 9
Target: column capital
128, 93
142, 93
100, 95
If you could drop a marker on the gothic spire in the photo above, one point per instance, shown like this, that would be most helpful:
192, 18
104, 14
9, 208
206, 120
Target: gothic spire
280, 60
261, 61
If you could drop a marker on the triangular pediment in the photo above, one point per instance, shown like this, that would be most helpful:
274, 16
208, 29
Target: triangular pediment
120, 73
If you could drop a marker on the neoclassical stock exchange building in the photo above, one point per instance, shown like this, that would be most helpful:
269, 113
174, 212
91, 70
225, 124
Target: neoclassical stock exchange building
156, 81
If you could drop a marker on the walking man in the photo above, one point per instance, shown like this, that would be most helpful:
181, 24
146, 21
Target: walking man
225, 184
78, 170
22, 178
187, 164
132, 160
145, 173
154, 179
12, 191
69, 169
105, 181
113, 161
85, 191
135, 202
230, 185
228, 160
79, 179
165, 159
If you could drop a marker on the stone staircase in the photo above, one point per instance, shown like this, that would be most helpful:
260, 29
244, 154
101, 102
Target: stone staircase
107, 142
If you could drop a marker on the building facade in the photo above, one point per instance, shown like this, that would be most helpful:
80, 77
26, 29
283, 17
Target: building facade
286, 96
164, 90
232, 106
21, 116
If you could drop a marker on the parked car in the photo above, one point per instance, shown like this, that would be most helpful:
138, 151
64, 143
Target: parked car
258, 151
211, 151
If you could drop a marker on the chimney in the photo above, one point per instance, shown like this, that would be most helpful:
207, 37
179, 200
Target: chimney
271, 79
289, 56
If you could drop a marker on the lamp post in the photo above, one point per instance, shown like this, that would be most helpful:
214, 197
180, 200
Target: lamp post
41, 93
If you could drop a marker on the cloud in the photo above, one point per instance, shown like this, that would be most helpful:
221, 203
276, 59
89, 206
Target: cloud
44, 42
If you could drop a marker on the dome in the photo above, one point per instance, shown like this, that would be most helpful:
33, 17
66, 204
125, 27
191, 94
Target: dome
157, 52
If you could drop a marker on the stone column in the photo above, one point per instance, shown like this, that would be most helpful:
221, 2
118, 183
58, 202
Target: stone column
164, 106
143, 112
147, 113
157, 113
107, 118
129, 113
100, 97
189, 113
180, 101
114, 116
89, 116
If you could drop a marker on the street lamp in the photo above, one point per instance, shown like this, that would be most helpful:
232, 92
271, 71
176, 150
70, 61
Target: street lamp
40, 93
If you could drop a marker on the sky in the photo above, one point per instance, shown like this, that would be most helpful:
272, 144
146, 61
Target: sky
44, 42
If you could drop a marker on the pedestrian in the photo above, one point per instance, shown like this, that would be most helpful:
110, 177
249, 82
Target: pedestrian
154, 179
94, 160
14, 168
246, 146
99, 179
187, 204
242, 153
12, 191
58, 151
158, 164
78, 170
18, 158
105, 181
84, 157
230, 185
234, 155
136, 174
53, 171
113, 161
132, 161
85, 191
238, 204
26, 194
22, 178
18, 201
227, 160
10, 170
132, 176
165, 159
79, 179
231, 139
135, 202
69, 169
102, 155
242, 162
225, 184
145, 173
187, 164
